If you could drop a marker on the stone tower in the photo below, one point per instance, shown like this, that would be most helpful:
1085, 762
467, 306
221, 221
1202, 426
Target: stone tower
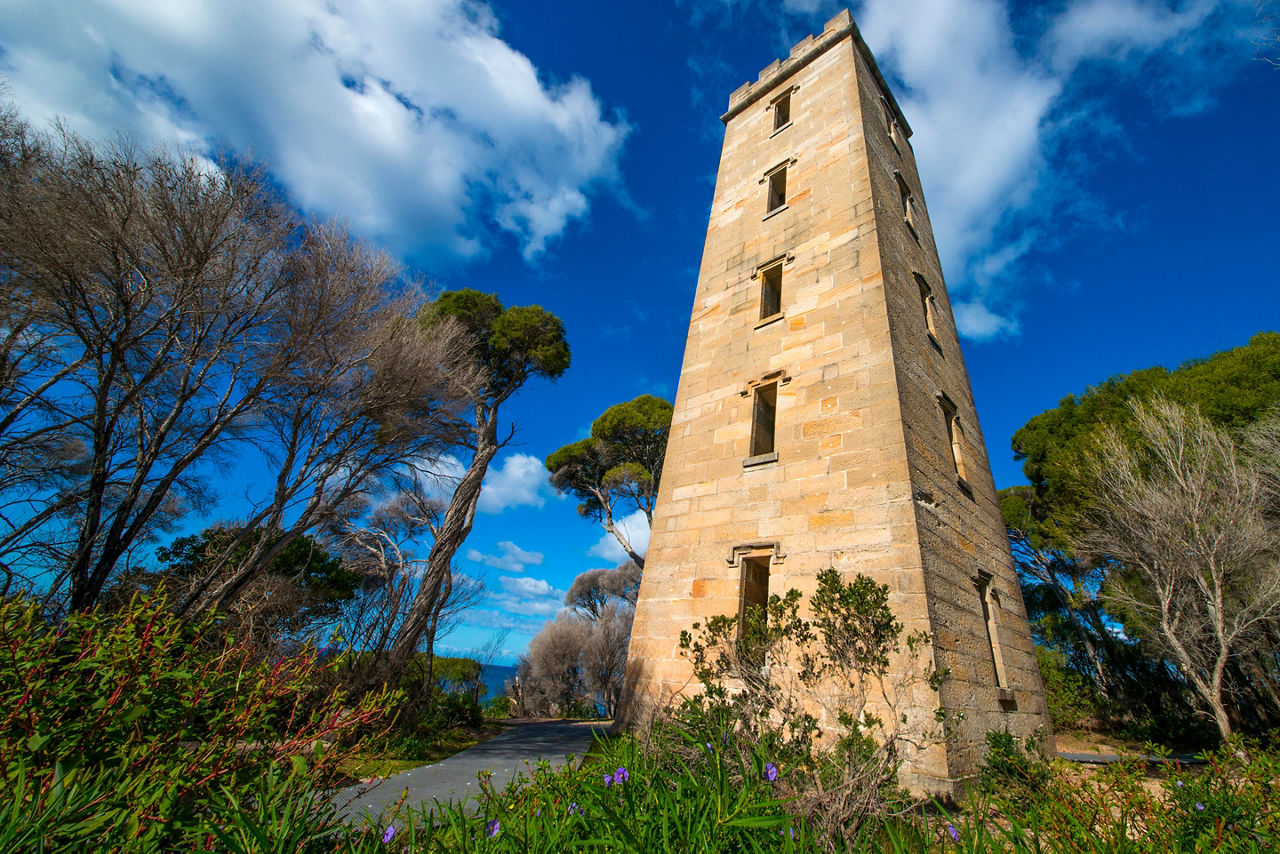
824, 415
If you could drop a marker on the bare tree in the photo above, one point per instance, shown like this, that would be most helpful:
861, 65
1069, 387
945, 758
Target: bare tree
152, 288
580, 657
383, 548
604, 658
592, 590
555, 680
372, 396
1269, 44
161, 314
1179, 517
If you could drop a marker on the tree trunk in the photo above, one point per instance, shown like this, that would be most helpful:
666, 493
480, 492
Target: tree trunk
621, 537
420, 621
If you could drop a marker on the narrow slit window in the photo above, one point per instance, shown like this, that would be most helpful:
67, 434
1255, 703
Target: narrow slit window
926, 305
908, 204
764, 415
989, 610
777, 189
771, 291
782, 111
891, 125
755, 587
955, 435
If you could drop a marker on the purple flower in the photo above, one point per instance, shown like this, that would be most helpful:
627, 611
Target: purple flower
709, 750
388, 833
1199, 806
1179, 784
492, 828
770, 771
608, 780
953, 833
574, 809
622, 775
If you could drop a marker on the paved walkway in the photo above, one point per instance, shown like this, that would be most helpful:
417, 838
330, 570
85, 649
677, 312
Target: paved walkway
1112, 758
454, 779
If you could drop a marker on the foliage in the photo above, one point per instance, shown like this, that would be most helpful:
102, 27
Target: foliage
304, 560
1228, 804
297, 596
776, 680
457, 675
1233, 389
497, 708
622, 798
1072, 699
135, 730
1017, 772
511, 344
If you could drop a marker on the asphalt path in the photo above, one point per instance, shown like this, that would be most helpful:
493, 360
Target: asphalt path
1112, 758
454, 779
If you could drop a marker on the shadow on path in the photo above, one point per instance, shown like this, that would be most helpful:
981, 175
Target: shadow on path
454, 779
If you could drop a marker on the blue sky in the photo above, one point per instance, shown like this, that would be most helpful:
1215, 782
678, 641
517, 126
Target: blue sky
1102, 178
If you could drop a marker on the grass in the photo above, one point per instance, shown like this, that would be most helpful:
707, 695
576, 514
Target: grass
385, 763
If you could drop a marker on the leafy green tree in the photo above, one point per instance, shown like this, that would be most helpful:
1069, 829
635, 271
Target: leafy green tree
303, 587
300, 595
509, 346
1233, 389
618, 465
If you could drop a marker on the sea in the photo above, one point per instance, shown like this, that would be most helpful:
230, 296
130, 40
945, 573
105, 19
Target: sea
495, 677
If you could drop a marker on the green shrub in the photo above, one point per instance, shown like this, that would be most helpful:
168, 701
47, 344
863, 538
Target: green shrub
444, 711
498, 708
1071, 698
1014, 773
133, 730
1230, 803
763, 680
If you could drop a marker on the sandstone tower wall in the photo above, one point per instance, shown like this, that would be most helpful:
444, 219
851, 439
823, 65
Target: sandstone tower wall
876, 464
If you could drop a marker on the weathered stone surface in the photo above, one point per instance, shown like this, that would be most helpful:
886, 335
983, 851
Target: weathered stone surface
865, 478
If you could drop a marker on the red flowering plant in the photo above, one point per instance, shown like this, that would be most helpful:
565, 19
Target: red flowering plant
133, 729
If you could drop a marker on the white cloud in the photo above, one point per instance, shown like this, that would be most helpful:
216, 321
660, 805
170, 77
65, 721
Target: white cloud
412, 119
489, 619
527, 597
975, 320
995, 121
635, 527
998, 108
510, 557
1118, 29
521, 480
